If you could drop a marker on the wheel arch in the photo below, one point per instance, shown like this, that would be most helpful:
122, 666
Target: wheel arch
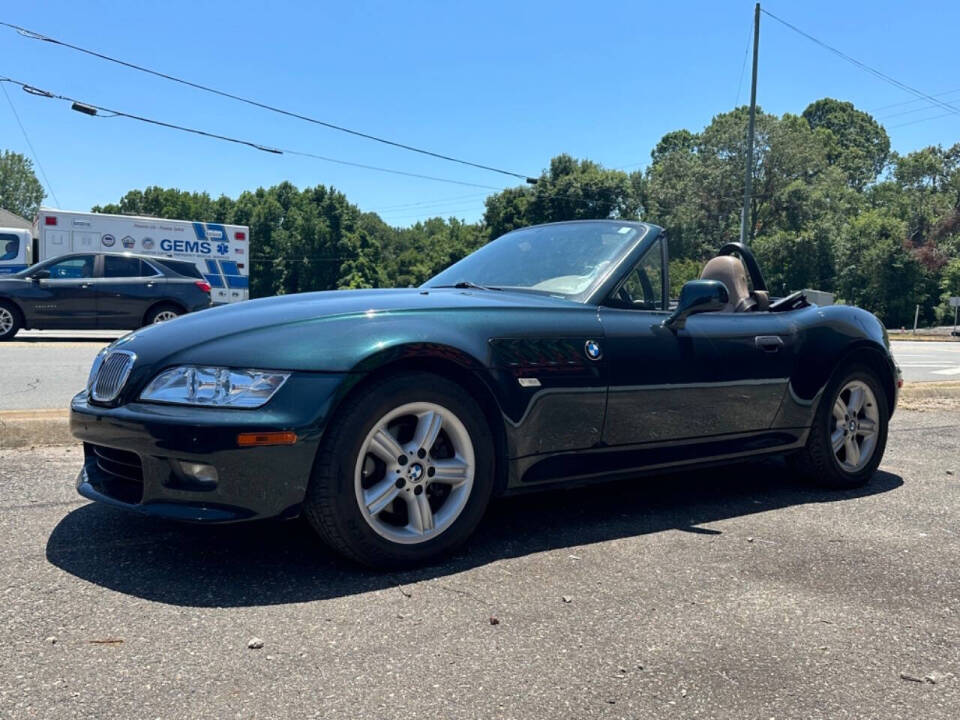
875, 358
816, 372
451, 363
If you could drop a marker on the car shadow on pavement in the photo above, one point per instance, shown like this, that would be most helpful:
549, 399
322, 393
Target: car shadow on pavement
275, 562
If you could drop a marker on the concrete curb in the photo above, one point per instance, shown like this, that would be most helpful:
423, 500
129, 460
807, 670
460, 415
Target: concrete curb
33, 428
30, 428
923, 338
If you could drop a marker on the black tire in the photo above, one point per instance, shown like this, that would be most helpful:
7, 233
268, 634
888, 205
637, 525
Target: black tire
331, 505
11, 315
817, 462
151, 316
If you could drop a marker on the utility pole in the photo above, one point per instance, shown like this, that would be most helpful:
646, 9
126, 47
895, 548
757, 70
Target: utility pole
746, 226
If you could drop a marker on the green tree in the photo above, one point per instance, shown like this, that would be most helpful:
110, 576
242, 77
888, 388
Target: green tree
20, 191
360, 267
171, 203
570, 190
876, 271
855, 142
949, 287
695, 182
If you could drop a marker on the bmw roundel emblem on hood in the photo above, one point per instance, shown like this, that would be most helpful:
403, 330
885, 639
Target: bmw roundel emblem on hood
592, 349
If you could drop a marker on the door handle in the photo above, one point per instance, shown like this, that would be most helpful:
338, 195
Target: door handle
151, 284
768, 343
84, 286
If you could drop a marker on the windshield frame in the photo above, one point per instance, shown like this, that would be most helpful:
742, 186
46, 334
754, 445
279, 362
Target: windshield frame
597, 290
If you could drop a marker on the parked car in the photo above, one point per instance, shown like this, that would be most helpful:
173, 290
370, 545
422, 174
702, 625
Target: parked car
553, 355
100, 291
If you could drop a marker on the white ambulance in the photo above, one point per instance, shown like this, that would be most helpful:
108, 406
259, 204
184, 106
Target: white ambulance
220, 252
15, 250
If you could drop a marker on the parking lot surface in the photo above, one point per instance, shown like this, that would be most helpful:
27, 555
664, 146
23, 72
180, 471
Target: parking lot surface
62, 359
732, 593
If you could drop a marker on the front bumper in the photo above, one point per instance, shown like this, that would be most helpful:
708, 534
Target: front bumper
132, 454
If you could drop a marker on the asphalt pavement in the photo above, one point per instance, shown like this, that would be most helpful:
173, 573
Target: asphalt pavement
928, 361
733, 593
44, 369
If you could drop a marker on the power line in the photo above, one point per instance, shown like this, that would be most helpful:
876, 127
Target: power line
387, 170
264, 106
743, 67
95, 110
435, 201
915, 100
920, 120
451, 212
26, 137
866, 68
912, 111
448, 207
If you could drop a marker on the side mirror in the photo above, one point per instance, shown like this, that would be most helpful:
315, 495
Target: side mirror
697, 296
40, 275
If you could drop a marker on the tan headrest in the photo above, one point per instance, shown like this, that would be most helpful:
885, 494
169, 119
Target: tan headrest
729, 270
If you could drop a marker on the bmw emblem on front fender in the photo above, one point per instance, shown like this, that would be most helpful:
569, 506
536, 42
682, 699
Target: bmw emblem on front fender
592, 349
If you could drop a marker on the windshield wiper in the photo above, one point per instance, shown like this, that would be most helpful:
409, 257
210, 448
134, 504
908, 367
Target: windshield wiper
465, 284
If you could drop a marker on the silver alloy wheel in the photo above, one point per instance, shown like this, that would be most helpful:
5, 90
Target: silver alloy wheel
854, 426
165, 315
6, 321
411, 490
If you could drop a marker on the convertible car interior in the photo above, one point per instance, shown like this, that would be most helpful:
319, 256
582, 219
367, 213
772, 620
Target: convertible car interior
739, 271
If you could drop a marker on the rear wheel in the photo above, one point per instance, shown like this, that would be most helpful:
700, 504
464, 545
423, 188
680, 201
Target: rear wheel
9, 321
163, 313
849, 434
404, 474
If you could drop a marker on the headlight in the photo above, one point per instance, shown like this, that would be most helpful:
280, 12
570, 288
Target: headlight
214, 387
97, 362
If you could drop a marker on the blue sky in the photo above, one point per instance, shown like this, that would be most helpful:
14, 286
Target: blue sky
509, 84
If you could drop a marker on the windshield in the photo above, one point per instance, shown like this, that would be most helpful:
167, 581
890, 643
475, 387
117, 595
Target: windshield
563, 259
9, 246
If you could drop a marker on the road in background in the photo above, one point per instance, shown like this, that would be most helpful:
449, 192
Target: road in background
928, 361
44, 369
727, 593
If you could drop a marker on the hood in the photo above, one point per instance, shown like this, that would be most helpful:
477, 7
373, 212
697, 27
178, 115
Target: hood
323, 330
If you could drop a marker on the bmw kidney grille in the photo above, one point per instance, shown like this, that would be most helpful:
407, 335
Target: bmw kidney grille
113, 375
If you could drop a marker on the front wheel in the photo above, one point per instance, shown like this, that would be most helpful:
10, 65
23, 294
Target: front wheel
404, 473
849, 433
9, 321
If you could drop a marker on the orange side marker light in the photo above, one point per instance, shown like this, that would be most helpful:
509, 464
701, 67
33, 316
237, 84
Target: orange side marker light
254, 439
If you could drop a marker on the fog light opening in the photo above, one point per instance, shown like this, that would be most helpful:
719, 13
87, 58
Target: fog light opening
199, 472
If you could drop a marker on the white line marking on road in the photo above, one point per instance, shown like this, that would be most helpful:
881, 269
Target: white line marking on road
949, 371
